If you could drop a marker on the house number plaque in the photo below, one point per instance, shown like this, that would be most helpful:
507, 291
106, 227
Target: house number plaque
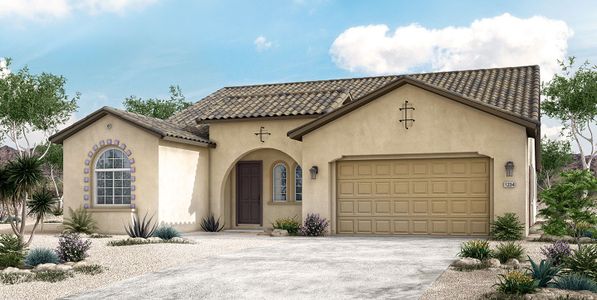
509, 184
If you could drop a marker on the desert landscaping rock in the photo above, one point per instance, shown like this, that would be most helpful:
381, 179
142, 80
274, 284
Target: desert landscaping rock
45, 267
279, 232
154, 239
178, 240
493, 263
11, 270
64, 268
553, 294
513, 263
80, 264
467, 262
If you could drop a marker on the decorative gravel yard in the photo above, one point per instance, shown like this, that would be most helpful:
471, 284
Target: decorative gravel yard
123, 262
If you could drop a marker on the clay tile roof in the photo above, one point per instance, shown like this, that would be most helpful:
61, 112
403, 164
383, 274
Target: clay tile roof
160, 127
514, 90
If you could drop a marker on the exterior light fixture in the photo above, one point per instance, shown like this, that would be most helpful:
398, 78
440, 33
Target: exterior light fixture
509, 168
313, 171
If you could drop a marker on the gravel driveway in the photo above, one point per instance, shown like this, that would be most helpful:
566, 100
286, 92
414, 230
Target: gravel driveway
299, 268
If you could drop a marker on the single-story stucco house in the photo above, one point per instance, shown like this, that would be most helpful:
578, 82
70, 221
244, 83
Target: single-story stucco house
435, 153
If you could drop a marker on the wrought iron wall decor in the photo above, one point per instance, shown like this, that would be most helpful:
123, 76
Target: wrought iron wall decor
261, 133
405, 116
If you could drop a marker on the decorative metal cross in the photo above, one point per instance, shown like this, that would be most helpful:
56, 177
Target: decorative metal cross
405, 108
261, 133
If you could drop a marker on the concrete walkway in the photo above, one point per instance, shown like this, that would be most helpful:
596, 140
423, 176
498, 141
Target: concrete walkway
300, 268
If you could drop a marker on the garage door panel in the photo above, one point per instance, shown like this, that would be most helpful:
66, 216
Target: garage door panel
423, 196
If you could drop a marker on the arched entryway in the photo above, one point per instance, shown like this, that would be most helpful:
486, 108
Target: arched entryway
262, 186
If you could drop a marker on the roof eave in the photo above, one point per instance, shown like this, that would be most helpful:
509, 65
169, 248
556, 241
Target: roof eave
299, 132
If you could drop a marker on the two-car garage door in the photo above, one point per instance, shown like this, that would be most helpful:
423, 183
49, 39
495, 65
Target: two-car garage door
417, 196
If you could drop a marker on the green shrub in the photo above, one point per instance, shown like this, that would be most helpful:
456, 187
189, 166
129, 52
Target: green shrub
478, 249
516, 282
583, 261
507, 228
80, 221
89, 269
39, 256
291, 225
12, 251
53, 275
556, 227
576, 282
211, 224
166, 232
15, 278
544, 272
508, 250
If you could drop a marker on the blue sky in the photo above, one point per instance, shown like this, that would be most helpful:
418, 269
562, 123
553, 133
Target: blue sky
111, 50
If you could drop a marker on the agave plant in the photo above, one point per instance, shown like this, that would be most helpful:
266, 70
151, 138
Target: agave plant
544, 272
210, 224
42, 203
141, 228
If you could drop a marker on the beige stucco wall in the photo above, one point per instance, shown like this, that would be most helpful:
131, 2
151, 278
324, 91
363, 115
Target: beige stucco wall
236, 139
442, 127
183, 185
144, 148
271, 210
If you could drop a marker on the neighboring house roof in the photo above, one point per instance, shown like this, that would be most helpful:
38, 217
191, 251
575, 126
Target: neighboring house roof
162, 128
514, 90
7, 154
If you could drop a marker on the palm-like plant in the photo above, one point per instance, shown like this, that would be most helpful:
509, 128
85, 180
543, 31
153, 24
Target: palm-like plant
41, 204
24, 174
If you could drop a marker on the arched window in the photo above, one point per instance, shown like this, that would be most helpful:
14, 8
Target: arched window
279, 183
298, 183
113, 178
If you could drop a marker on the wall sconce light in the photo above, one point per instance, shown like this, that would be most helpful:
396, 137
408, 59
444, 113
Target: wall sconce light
509, 168
314, 170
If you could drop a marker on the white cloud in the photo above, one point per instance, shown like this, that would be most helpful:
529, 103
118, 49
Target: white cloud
500, 41
262, 44
553, 132
36, 138
54, 9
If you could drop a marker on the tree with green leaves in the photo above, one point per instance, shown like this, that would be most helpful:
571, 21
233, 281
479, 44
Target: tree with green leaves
53, 161
571, 97
32, 103
156, 107
555, 155
570, 203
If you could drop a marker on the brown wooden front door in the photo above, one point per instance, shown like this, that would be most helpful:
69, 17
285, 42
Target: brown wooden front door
249, 183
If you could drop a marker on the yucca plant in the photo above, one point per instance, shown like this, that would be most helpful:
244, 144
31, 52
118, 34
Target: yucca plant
79, 221
544, 272
583, 261
211, 224
40, 205
141, 228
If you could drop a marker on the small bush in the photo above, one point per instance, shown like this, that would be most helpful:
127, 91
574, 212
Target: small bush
557, 252
166, 232
39, 256
72, 248
507, 228
516, 282
211, 224
544, 272
53, 275
576, 282
79, 221
314, 225
15, 278
289, 224
89, 269
478, 249
508, 250
12, 251
99, 236
141, 228
583, 261
555, 227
